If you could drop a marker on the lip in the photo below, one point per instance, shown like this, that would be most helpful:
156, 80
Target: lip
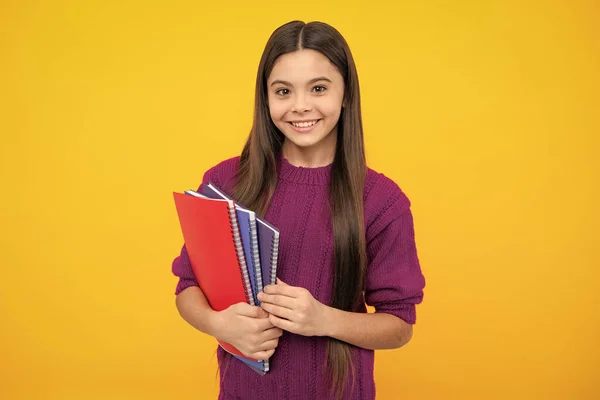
305, 130
306, 120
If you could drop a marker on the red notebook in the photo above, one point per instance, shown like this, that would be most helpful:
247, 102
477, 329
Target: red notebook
207, 229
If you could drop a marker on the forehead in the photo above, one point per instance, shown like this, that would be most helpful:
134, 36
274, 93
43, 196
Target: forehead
303, 65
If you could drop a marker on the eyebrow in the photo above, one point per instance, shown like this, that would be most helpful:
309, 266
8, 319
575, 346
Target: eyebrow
320, 78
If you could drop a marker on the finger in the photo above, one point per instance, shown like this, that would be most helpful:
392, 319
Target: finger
281, 312
284, 290
282, 323
269, 345
278, 300
280, 282
247, 310
262, 355
262, 314
270, 334
263, 324
268, 354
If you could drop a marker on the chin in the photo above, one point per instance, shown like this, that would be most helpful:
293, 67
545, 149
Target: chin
306, 139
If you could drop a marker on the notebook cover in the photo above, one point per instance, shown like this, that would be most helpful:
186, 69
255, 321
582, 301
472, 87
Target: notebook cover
244, 222
268, 244
248, 227
268, 239
236, 226
207, 231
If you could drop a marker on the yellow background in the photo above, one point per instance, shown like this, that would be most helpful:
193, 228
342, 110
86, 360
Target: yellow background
485, 114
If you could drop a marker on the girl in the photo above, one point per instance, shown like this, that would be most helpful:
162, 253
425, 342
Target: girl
347, 235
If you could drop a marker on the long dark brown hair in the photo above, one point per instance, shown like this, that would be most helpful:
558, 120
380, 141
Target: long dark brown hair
257, 176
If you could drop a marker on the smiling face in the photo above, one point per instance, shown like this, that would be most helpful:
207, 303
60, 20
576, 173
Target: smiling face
305, 93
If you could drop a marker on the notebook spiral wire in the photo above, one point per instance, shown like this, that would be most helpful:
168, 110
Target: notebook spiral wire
256, 257
240, 252
274, 256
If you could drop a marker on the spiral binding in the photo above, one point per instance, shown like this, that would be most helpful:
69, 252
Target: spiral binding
257, 269
255, 253
240, 252
274, 255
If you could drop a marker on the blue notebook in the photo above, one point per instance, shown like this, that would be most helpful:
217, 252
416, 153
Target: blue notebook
268, 242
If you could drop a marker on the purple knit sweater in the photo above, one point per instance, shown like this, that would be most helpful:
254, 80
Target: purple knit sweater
394, 279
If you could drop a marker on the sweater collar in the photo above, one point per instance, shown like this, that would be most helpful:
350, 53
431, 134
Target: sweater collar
303, 175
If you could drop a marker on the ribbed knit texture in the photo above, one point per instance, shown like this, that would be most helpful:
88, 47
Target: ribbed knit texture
300, 210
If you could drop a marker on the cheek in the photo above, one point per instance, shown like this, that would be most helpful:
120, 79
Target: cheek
331, 110
277, 112
330, 106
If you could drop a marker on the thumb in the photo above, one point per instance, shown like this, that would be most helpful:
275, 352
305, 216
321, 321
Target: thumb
247, 310
262, 313
280, 282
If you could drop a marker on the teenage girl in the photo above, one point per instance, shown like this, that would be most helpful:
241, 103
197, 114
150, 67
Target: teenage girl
346, 233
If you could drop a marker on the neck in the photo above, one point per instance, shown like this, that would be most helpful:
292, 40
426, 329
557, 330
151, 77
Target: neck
311, 157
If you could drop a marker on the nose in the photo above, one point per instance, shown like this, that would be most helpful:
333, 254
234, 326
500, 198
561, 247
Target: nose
301, 103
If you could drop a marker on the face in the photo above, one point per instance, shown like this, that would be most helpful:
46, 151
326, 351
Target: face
305, 93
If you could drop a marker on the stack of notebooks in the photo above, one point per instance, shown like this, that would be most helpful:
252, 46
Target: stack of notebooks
233, 252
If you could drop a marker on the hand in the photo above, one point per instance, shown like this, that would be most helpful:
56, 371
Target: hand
293, 309
249, 329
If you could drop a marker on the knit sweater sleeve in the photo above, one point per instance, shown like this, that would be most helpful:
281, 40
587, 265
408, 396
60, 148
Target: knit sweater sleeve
395, 282
221, 175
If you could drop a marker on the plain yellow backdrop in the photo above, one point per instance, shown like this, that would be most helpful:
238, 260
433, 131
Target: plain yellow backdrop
486, 114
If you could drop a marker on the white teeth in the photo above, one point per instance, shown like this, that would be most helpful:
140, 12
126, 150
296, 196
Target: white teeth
304, 124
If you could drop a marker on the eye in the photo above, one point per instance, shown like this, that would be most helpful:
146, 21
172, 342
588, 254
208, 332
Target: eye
321, 89
282, 91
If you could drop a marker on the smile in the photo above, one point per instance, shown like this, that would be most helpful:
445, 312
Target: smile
304, 126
